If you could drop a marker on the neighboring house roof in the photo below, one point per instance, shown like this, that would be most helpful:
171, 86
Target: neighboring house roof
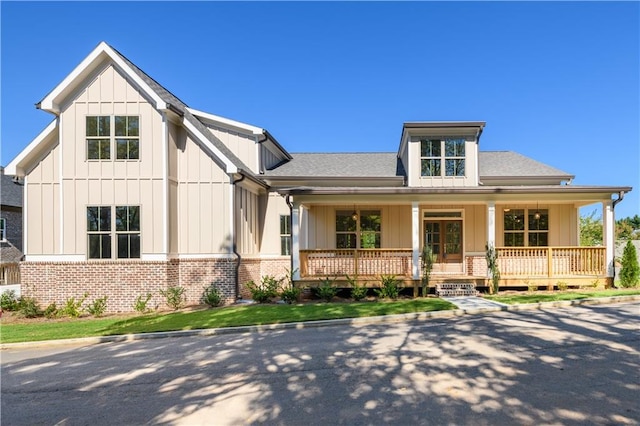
9, 253
368, 164
509, 164
10, 191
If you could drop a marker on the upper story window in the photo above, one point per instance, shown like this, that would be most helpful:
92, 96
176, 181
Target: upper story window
524, 227
442, 157
354, 233
105, 134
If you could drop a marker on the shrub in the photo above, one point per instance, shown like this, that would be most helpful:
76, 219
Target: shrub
290, 294
174, 296
9, 301
73, 308
562, 285
267, 290
29, 307
531, 287
630, 273
429, 258
358, 292
389, 287
140, 304
98, 307
212, 296
52, 311
326, 291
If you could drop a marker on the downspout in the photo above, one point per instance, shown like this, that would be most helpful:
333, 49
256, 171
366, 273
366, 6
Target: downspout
287, 199
613, 211
234, 242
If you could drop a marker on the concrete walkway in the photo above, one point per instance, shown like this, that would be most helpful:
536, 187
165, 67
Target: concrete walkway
473, 302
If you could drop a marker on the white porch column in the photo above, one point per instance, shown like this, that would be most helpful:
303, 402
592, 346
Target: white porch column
295, 240
415, 239
491, 223
609, 235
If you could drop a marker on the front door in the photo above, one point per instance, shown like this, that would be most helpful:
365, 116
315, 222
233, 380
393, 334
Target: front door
445, 239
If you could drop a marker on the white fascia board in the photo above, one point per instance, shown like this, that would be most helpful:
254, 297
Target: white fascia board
229, 166
16, 166
49, 104
227, 121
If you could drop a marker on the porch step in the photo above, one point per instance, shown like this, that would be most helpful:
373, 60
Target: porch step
456, 289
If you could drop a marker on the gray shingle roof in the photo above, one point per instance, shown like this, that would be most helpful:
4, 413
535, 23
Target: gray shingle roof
170, 98
512, 164
343, 164
9, 253
10, 192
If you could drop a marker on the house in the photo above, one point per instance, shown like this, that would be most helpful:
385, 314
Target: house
10, 231
129, 190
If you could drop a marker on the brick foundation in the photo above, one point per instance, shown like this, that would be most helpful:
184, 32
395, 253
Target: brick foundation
123, 281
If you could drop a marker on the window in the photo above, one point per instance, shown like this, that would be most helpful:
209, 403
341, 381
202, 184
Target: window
98, 138
123, 134
127, 140
354, 233
285, 235
3, 229
534, 230
99, 232
127, 232
434, 163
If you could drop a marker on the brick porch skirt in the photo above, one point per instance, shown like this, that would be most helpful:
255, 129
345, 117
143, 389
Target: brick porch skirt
123, 281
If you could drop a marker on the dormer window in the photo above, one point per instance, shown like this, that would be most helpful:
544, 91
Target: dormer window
442, 157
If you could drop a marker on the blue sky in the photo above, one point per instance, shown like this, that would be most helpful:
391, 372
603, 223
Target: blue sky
558, 82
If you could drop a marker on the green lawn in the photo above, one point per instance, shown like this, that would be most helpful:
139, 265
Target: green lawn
231, 316
536, 297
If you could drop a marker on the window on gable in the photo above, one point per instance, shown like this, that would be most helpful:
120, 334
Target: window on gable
107, 133
285, 235
98, 137
3, 229
524, 227
127, 137
438, 156
102, 221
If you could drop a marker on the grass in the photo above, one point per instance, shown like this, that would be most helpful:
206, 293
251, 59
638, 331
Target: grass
231, 316
512, 299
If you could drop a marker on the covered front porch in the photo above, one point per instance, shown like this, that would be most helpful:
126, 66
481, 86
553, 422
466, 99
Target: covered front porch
520, 266
537, 243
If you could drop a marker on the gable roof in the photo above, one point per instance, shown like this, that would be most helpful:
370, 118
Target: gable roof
344, 164
163, 99
509, 164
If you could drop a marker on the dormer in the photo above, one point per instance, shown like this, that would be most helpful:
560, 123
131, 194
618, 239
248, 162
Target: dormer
441, 154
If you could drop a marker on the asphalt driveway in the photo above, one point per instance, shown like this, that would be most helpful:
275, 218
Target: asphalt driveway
577, 365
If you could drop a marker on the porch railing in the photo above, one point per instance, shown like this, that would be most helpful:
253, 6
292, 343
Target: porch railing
352, 262
9, 273
551, 261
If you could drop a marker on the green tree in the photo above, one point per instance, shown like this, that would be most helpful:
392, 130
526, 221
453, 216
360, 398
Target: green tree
590, 230
630, 273
628, 228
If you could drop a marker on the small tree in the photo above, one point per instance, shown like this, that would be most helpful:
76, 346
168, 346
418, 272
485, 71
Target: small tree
492, 267
590, 230
428, 259
630, 273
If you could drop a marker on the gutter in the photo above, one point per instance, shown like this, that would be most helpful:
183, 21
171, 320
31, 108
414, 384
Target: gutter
287, 200
234, 241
